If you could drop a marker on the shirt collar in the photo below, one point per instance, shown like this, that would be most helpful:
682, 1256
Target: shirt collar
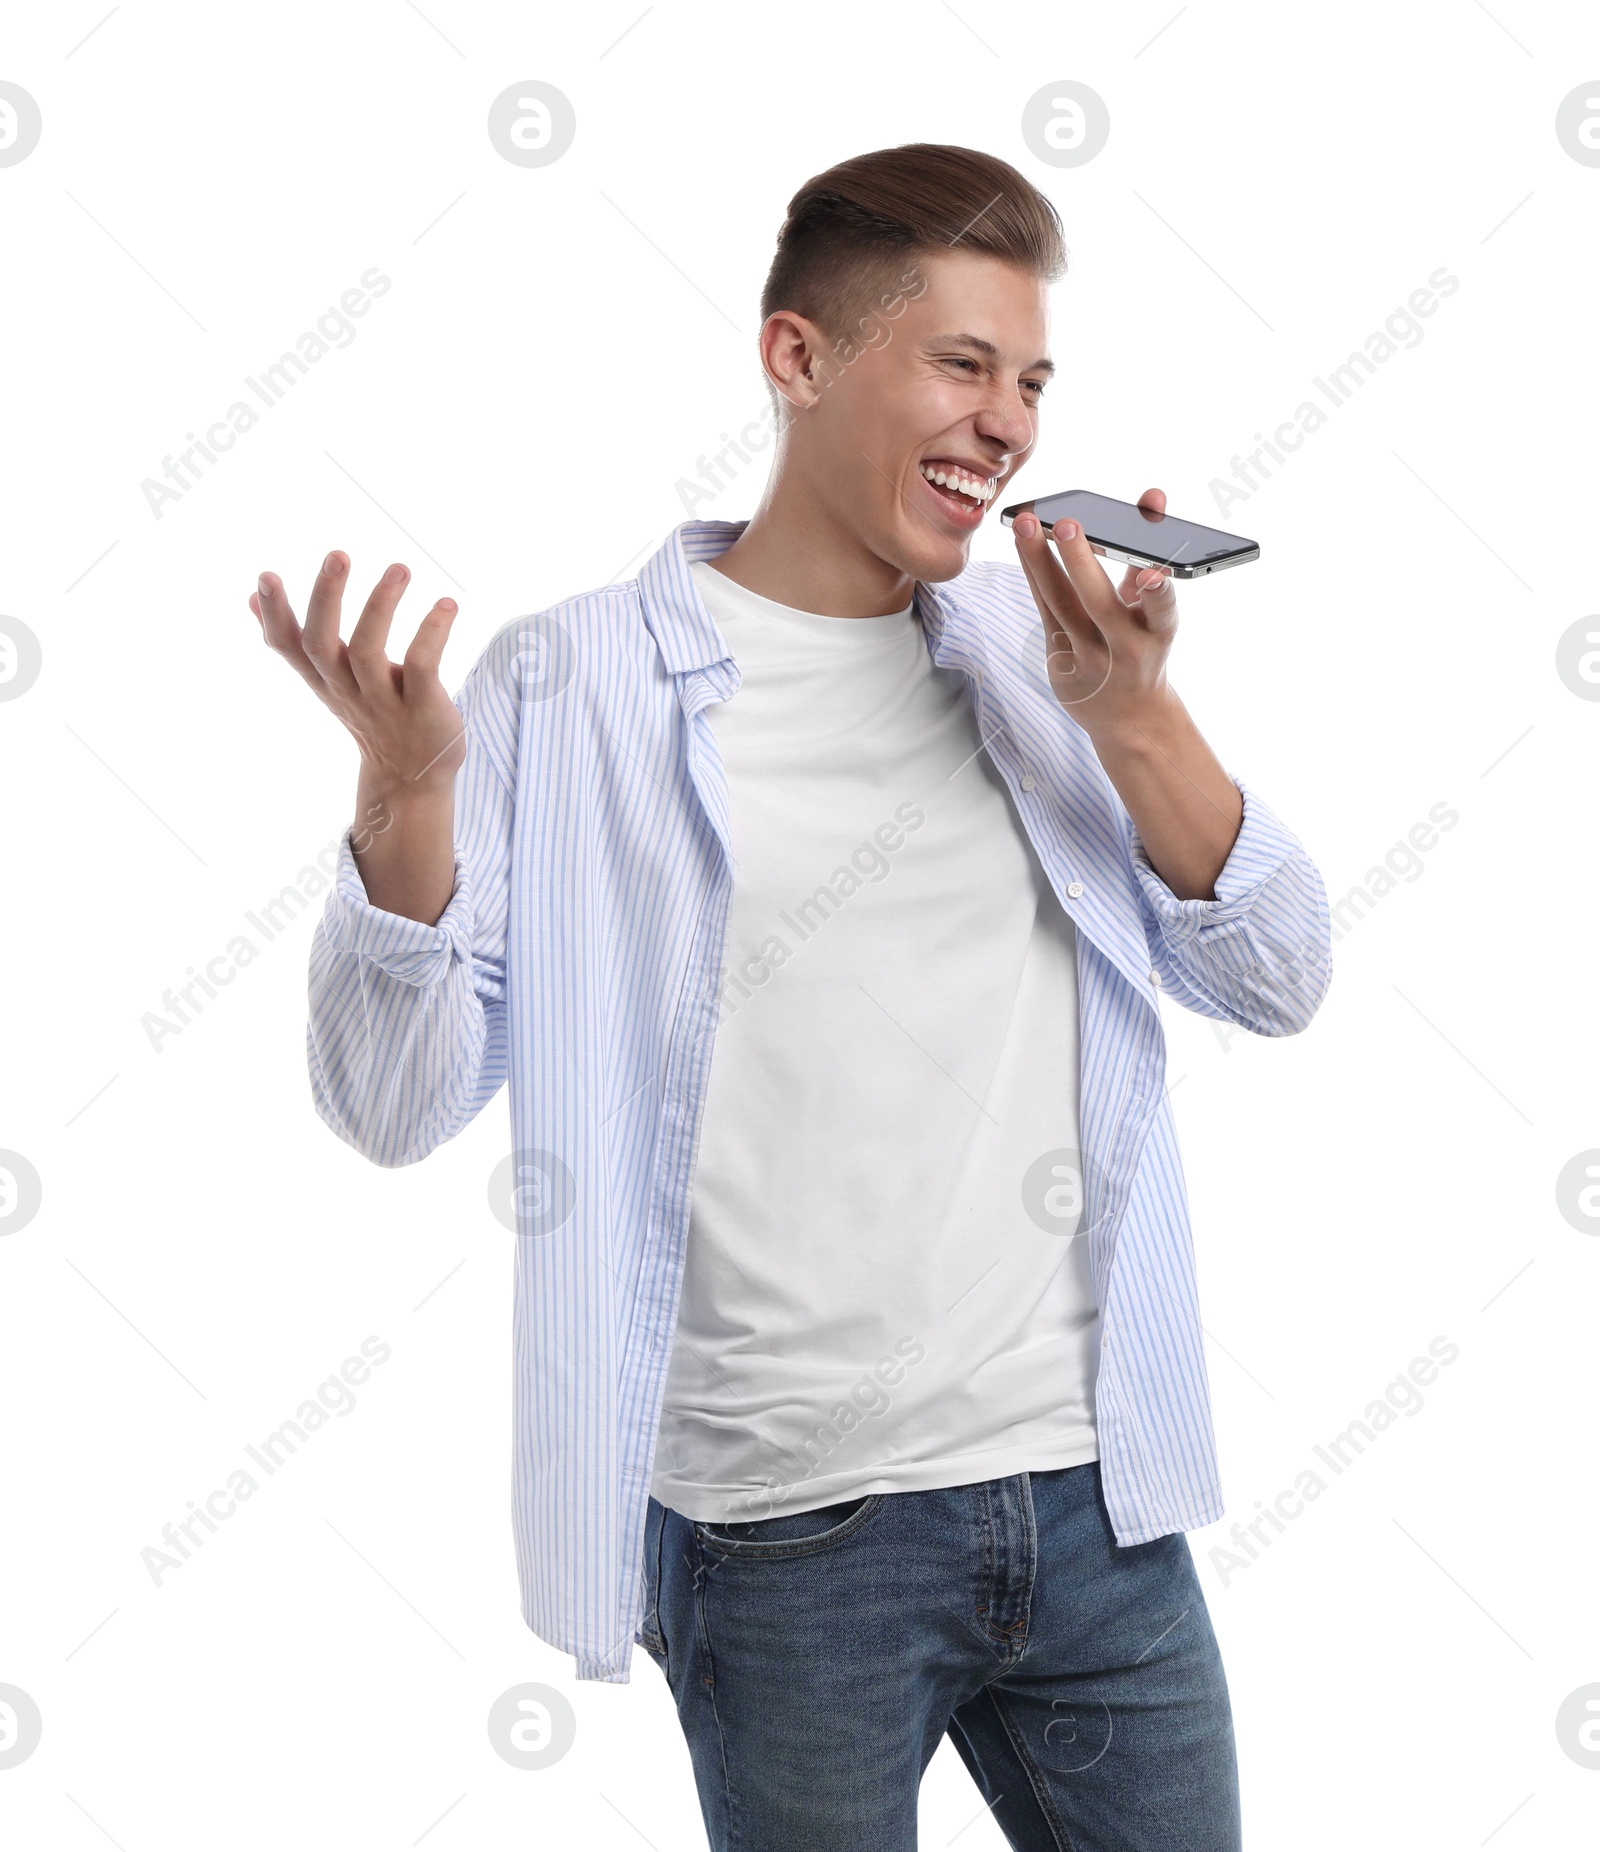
685, 631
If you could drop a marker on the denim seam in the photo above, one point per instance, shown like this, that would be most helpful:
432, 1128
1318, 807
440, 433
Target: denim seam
711, 1688
653, 1628
986, 1581
1030, 1531
1041, 1791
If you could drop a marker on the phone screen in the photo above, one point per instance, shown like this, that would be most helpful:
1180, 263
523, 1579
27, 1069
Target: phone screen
1124, 525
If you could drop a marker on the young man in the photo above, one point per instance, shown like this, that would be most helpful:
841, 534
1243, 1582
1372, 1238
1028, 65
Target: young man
816, 891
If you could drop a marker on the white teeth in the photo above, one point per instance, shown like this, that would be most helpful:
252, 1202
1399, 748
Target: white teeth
969, 486
965, 485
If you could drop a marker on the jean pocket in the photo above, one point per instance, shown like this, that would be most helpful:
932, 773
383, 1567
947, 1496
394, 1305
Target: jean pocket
791, 1533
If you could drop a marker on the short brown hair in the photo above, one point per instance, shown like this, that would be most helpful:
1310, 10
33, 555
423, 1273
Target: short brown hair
850, 231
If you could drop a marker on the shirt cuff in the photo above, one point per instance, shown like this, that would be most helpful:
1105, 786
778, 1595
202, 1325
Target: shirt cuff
405, 949
1261, 848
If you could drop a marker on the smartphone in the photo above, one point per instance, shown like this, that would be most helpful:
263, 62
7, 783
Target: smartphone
1123, 530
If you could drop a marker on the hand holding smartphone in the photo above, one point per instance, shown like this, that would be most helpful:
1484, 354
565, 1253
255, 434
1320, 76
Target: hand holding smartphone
1140, 536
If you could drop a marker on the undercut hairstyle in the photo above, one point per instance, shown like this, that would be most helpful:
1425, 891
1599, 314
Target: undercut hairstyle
852, 233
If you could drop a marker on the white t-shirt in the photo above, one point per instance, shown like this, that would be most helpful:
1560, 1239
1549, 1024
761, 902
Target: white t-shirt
882, 1292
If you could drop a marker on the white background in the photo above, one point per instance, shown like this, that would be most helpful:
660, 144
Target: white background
558, 347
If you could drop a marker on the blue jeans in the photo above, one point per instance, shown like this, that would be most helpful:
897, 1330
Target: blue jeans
816, 1659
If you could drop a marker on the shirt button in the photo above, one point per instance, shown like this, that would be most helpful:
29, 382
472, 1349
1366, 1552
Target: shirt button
1155, 977
1074, 889
1027, 781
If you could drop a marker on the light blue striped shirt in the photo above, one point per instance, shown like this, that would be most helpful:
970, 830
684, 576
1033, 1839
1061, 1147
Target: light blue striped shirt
581, 957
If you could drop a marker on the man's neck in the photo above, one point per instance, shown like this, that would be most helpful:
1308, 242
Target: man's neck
795, 553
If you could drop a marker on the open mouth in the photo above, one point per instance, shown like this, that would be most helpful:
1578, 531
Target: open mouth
962, 493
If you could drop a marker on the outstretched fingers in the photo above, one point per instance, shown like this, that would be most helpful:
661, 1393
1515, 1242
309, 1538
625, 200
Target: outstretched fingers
280, 631
422, 659
377, 677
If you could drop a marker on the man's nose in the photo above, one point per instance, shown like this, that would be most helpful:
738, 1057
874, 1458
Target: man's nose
1006, 420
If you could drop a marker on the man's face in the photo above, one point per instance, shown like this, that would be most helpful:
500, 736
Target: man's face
945, 382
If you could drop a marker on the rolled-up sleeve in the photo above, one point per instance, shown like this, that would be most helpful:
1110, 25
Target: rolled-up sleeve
1260, 953
406, 1037
406, 949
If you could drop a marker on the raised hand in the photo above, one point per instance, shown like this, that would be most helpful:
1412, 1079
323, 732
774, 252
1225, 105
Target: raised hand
1106, 650
408, 730
1106, 646
402, 718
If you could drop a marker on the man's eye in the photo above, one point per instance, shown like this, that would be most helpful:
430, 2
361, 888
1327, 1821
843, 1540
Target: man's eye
1037, 385
960, 360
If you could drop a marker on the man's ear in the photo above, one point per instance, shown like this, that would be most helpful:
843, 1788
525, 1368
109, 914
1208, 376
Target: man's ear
790, 346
